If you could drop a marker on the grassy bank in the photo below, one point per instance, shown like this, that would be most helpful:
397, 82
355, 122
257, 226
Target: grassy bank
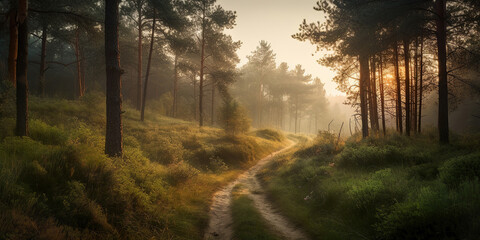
380, 188
58, 183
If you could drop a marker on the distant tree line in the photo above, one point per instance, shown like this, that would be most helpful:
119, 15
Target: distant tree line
280, 97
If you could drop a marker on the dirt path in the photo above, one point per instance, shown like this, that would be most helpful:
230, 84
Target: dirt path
220, 224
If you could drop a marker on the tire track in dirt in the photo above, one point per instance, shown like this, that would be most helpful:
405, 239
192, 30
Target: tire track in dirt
220, 226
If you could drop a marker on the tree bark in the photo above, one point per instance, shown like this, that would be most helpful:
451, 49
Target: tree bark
406, 49
139, 64
382, 96
13, 47
364, 78
296, 113
420, 88
21, 68
369, 103
399, 93
142, 115
213, 103
41, 86
440, 8
113, 137
202, 62
175, 87
373, 89
195, 97
82, 69
76, 46
415, 91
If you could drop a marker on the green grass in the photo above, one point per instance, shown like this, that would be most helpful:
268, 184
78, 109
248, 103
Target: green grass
247, 221
380, 188
59, 184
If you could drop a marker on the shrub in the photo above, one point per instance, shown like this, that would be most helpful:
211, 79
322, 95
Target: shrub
46, 134
456, 170
217, 165
270, 134
180, 172
367, 195
238, 150
364, 156
424, 216
164, 149
234, 118
323, 144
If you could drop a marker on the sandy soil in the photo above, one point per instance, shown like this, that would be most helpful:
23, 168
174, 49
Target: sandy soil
220, 224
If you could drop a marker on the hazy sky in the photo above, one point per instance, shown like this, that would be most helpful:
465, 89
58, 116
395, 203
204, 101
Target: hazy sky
275, 21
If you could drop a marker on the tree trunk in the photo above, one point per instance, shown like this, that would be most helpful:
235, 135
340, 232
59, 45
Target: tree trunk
142, 114
82, 69
113, 137
296, 113
406, 49
175, 87
420, 88
195, 97
13, 47
369, 103
373, 88
213, 103
415, 91
382, 96
21, 68
139, 64
364, 78
41, 86
77, 57
440, 6
202, 62
399, 93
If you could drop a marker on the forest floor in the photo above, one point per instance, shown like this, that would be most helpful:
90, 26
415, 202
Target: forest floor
221, 225
58, 183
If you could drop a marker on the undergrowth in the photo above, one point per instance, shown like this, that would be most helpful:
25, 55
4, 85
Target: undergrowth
58, 183
392, 187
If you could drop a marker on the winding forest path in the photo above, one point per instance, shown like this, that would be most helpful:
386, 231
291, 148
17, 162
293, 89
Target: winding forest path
220, 225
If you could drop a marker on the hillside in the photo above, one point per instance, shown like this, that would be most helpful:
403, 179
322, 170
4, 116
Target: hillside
59, 184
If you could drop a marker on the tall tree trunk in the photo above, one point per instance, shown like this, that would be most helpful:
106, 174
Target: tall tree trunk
415, 91
364, 78
373, 88
139, 53
382, 96
113, 137
142, 114
175, 87
13, 47
195, 97
420, 87
369, 105
399, 93
76, 47
202, 63
21, 68
43, 54
213, 103
440, 8
82, 69
406, 49
296, 113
